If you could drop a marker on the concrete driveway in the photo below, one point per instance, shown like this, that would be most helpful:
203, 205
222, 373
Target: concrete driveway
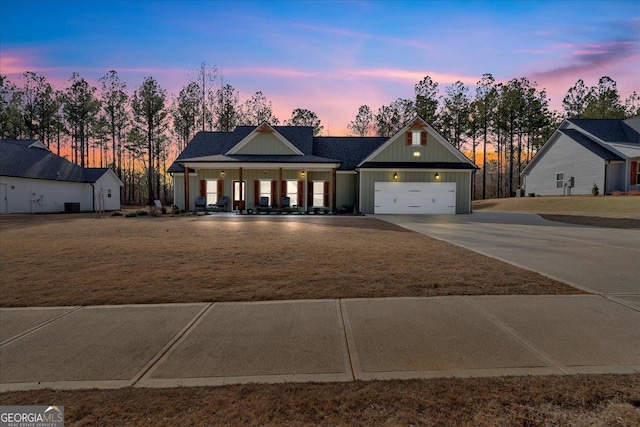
599, 260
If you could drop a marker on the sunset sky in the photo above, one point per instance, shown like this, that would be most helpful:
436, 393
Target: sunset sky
329, 57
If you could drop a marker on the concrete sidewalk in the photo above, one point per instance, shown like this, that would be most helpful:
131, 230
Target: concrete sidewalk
174, 345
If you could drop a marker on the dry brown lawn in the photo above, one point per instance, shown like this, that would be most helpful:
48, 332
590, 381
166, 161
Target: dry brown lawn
609, 212
81, 260
586, 210
598, 400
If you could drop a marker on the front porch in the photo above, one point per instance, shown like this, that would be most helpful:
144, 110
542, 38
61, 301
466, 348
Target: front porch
309, 188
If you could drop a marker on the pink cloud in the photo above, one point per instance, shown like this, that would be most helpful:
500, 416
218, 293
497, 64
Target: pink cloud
395, 74
590, 57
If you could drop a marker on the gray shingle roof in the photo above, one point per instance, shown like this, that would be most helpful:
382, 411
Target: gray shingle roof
213, 143
350, 150
94, 174
210, 143
19, 159
608, 130
590, 144
175, 168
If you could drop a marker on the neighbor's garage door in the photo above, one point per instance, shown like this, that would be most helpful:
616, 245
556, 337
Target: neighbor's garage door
415, 198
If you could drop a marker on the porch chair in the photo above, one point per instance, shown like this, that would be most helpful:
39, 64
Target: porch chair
222, 205
263, 205
286, 204
201, 203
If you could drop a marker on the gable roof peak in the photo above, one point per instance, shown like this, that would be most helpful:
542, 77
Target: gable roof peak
264, 128
417, 122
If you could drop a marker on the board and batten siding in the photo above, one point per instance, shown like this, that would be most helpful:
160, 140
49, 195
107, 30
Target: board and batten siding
571, 159
178, 190
267, 144
461, 178
27, 195
616, 177
399, 151
346, 190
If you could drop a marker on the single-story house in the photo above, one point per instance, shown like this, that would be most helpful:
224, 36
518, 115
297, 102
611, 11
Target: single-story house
414, 171
34, 180
584, 152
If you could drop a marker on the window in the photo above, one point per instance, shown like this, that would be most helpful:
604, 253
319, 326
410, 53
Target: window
292, 191
415, 139
318, 193
108, 192
212, 192
559, 180
239, 191
265, 189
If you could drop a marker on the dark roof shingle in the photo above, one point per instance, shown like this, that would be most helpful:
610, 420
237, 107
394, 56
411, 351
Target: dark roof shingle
608, 130
350, 150
18, 158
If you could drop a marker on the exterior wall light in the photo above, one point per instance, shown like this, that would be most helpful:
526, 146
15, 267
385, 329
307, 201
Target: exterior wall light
416, 154
302, 174
437, 177
222, 174
395, 176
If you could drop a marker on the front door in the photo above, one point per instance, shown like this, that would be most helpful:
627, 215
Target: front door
3, 199
239, 195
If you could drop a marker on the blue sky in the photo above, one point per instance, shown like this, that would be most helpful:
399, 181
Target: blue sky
330, 57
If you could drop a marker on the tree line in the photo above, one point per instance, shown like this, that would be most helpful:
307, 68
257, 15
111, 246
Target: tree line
137, 133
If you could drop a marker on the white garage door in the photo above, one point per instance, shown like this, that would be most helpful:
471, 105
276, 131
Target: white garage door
415, 198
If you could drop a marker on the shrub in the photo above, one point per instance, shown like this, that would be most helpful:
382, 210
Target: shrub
130, 215
595, 190
116, 213
142, 213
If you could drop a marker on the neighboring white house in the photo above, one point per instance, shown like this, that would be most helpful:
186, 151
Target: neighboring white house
34, 180
584, 152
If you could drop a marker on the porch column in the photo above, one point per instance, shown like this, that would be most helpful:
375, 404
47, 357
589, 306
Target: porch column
306, 190
186, 188
242, 196
333, 190
279, 192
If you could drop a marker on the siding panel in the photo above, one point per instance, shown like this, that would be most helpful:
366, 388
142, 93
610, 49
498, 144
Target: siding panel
398, 151
265, 143
40, 195
571, 159
346, 190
